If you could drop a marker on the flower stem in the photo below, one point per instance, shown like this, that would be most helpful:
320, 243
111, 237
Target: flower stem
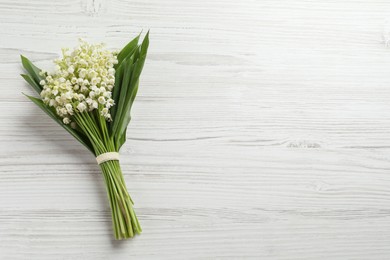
124, 219
125, 222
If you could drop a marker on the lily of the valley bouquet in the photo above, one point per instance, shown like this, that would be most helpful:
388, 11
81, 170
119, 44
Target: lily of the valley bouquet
90, 94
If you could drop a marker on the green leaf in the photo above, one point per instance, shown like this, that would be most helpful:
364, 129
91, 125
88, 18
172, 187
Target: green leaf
81, 138
33, 84
31, 69
127, 116
116, 90
145, 45
120, 141
125, 119
122, 96
139, 61
127, 50
133, 87
129, 89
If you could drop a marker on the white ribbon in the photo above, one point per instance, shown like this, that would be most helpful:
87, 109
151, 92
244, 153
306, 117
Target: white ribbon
104, 157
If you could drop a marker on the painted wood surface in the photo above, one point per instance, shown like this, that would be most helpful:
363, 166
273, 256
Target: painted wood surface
261, 131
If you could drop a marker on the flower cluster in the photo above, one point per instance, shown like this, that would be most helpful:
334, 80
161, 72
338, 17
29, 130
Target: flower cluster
83, 81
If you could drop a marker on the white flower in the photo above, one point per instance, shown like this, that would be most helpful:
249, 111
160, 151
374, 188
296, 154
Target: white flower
94, 81
94, 104
107, 94
81, 107
82, 62
63, 111
104, 111
69, 108
68, 95
82, 73
108, 117
66, 120
52, 102
92, 74
49, 79
101, 100
111, 71
42, 82
109, 103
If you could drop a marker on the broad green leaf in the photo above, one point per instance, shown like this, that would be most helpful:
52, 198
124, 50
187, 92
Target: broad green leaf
126, 98
31, 69
122, 96
145, 45
33, 84
116, 90
127, 116
81, 138
127, 50
121, 140
139, 63
133, 87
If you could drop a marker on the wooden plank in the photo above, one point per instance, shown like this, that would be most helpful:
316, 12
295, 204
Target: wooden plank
261, 131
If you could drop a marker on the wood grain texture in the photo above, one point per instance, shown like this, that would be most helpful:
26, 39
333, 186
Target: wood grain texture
261, 131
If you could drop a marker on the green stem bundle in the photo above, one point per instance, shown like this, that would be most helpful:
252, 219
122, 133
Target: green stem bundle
124, 219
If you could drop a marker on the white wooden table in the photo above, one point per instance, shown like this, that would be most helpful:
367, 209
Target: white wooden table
261, 130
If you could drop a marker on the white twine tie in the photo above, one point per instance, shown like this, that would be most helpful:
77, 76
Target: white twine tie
105, 157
